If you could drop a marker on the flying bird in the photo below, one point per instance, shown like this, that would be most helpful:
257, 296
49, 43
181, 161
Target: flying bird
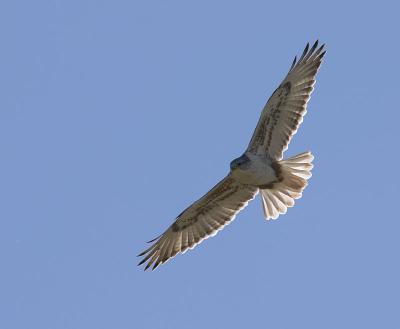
260, 169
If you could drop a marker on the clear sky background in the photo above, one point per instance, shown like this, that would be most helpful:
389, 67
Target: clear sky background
116, 115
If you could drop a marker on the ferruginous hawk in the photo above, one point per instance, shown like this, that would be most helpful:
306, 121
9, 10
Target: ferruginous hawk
259, 169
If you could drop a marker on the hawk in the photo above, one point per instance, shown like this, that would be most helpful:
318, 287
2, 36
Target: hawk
260, 169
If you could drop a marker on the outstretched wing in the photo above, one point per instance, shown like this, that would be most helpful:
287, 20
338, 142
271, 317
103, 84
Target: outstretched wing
285, 109
202, 219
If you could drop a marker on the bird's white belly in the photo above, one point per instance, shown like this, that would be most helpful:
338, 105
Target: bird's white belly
260, 172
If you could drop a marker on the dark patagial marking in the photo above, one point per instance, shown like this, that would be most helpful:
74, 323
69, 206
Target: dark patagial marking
176, 227
283, 89
286, 88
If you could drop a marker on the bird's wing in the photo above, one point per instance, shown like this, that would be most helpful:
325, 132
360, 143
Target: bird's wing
285, 109
202, 219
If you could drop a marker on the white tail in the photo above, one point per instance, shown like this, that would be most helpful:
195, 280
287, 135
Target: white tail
294, 174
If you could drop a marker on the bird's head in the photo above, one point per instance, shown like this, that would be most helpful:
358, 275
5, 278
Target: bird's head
242, 163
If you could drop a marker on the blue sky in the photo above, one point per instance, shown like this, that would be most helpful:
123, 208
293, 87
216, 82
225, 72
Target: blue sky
116, 115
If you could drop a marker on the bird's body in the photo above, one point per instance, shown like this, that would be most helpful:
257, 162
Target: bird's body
256, 169
260, 169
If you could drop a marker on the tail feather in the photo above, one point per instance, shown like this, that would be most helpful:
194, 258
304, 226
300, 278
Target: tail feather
294, 171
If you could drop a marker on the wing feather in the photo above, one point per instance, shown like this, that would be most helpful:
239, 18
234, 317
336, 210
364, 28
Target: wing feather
284, 111
202, 219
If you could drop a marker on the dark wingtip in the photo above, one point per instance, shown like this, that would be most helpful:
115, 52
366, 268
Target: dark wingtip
304, 52
294, 63
141, 254
141, 262
153, 239
156, 264
315, 45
